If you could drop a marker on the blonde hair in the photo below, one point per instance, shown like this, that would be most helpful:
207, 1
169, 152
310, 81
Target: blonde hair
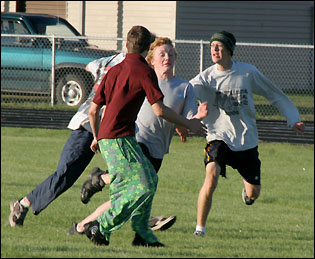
157, 43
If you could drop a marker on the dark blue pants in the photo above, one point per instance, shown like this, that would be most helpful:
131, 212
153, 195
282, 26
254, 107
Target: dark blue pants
75, 157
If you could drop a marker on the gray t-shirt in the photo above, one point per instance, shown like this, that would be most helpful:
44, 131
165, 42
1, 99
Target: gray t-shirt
156, 133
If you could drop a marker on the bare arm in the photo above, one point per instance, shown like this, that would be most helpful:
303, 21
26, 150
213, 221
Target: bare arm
202, 113
94, 121
168, 114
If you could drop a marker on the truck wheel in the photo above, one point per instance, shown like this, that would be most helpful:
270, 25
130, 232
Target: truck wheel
71, 90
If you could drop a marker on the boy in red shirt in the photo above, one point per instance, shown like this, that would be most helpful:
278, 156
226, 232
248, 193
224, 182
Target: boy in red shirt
133, 178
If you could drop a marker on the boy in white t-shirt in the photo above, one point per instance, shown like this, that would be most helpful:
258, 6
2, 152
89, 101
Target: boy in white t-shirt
75, 157
232, 135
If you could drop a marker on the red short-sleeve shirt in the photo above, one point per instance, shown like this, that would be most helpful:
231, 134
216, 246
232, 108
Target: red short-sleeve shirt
123, 90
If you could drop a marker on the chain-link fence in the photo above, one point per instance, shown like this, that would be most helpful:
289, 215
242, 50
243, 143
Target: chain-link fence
51, 70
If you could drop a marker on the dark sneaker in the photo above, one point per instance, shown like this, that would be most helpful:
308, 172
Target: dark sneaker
93, 185
160, 223
93, 232
73, 230
139, 241
199, 233
18, 213
246, 200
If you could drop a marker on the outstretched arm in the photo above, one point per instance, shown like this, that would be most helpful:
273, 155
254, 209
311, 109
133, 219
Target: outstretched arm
202, 113
168, 114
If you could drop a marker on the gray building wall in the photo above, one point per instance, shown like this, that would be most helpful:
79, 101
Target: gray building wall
289, 22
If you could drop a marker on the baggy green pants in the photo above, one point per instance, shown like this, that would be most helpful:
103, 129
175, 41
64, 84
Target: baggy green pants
133, 183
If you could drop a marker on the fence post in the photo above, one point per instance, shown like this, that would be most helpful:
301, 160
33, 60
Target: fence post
53, 70
201, 56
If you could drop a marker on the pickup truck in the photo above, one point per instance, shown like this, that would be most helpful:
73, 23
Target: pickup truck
26, 62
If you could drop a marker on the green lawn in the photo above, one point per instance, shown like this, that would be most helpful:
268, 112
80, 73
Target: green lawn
279, 225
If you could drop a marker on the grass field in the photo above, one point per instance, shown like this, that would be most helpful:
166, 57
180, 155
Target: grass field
279, 225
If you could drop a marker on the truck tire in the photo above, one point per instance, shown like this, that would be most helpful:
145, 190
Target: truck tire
71, 90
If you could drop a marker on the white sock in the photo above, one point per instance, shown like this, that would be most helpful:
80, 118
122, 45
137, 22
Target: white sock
25, 202
200, 228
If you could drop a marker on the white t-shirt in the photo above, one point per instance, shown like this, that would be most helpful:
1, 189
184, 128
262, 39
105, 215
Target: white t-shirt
231, 116
98, 70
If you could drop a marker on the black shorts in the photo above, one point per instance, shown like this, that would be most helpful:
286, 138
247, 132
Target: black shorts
246, 162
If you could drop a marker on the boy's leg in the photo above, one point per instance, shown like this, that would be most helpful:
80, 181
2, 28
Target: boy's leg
133, 184
214, 151
141, 226
99, 178
248, 165
93, 216
75, 157
252, 190
206, 192
99, 211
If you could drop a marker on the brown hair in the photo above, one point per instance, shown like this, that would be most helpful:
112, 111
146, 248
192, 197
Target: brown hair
139, 39
157, 43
